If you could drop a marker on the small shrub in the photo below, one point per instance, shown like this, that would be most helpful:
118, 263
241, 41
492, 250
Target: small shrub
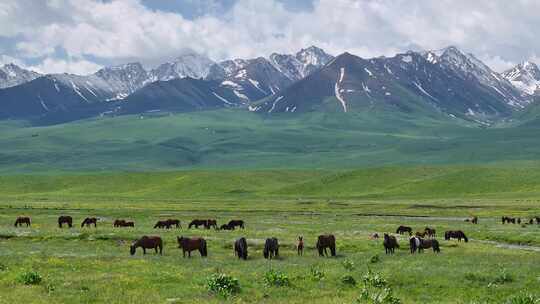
375, 259
502, 278
475, 277
523, 298
317, 274
223, 284
375, 290
348, 265
276, 278
348, 280
30, 278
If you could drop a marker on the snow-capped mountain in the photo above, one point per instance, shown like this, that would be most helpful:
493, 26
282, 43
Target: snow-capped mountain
409, 82
189, 64
471, 68
303, 63
13, 75
124, 79
525, 77
250, 79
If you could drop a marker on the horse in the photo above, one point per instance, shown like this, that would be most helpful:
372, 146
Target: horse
234, 223
473, 220
147, 242
65, 219
211, 223
403, 229
430, 232
300, 246
198, 223
174, 222
271, 248
89, 221
420, 234
162, 224
241, 248
119, 223
508, 220
420, 244
455, 234
191, 244
537, 220
22, 220
226, 227
129, 224
390, 243
374, 236
326, 241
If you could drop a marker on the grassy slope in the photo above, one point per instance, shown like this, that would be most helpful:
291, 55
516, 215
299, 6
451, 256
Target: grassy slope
236, 139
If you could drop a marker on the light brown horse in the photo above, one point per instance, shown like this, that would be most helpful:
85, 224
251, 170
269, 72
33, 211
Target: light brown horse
89, 221
147, 242
192, 244
300, 247
65, 219
326, 241
22, 220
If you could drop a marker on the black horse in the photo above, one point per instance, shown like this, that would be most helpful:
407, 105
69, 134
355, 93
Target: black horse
198, 223
65, 219
236, 223
390, 243
226, 227
455, 234
326, 241
89, 221
271, 248
403, 229
241, 248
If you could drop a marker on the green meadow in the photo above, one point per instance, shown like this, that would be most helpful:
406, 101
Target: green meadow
285, 176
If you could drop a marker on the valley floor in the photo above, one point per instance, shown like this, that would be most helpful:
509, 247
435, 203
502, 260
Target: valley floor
87, 265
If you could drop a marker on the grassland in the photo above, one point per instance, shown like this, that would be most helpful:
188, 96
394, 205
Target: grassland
90, 265
241, 140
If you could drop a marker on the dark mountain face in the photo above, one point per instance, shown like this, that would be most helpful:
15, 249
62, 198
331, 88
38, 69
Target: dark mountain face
407, 82
182, 95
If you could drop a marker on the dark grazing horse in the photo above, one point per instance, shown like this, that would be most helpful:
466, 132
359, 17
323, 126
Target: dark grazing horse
241, 248
123, 223
191, 244
271, 248
211, 223
22, 220
430, 232
89, 221
419, 244
300, 246
226, 227
326, 241
147, 242
403, 229
390, 243
162, 224
174, 222
508, 220
65, 219
198, 223
455, 234
236, 223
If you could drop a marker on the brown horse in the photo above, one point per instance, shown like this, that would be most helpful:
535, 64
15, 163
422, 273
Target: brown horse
123, 223
241, 248
174, 222
89, 221
162, 224
455, 234
271, 248
390, 243
300, 246
403, 229
65, 219
191, 244
430, 232
326, 241
198, 223
236, 223
22, 220
226, 227
419, 244
147, 242
211, 223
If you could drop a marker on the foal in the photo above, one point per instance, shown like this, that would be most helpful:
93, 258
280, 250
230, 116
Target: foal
300, 247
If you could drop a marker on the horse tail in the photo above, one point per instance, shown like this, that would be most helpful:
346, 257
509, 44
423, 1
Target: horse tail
204, 249
436, 246
465, 237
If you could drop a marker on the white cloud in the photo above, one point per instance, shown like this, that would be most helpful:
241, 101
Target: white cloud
72, 66
124, 30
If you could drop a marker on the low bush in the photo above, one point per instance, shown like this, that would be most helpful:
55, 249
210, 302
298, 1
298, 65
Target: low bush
276, 278
348, 280
223, 284
316, 273
348, 265
29, 278
523, 298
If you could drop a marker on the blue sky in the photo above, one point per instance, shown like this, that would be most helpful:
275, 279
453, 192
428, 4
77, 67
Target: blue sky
81, 36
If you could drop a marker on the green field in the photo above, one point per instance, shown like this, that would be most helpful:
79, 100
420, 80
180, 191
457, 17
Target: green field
87, 265
241, 140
